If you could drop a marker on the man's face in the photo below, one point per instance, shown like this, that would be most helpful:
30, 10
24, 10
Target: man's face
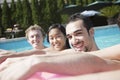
78, 36
35, 38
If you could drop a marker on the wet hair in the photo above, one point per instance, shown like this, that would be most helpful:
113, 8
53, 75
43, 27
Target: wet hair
34, 27
61, 28
77, 16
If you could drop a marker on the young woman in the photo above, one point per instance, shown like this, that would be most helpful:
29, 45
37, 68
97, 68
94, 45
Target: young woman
56, 36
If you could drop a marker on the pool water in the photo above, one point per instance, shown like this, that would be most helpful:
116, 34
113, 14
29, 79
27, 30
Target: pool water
18, 44
105, 36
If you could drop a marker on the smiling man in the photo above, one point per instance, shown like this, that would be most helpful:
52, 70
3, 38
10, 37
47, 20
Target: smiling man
80, 33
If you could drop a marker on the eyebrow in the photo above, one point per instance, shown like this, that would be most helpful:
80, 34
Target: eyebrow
75, 32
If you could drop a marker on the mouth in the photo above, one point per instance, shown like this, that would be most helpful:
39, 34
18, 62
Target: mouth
57, 45
79, 46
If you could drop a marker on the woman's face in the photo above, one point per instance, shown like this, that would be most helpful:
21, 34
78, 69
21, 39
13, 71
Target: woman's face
35, 38
57, 39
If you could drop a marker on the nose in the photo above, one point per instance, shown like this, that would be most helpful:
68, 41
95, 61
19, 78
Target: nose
54, 40
74, 40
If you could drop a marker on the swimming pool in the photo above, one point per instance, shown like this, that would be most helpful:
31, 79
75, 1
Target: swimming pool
105, 36
18, 44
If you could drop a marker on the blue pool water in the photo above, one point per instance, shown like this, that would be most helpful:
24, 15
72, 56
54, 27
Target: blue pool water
19, 44
105, 36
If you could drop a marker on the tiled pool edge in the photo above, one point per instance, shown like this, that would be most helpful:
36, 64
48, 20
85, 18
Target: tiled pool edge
106, 26
14, 39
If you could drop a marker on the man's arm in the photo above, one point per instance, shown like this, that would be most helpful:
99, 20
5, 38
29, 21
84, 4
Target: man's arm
4, 54
109, 53
67, 64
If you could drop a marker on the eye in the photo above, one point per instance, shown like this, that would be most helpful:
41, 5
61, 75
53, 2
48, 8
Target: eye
32, 36
69, 37
38, 36
51, 38
58, 36
78, 33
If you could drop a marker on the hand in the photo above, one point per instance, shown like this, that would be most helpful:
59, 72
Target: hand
4, 54
20, 69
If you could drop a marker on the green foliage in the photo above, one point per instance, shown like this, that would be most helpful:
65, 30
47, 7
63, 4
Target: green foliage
61, 4
0, 21
5, 15
41, 9
27, 14
64, 18
54, 15
13, 12
78, 2
72, 2
19, 12
0, 16
35, 12
111, 11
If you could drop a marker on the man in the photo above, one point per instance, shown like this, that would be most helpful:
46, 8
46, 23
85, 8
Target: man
35, 36
80, 35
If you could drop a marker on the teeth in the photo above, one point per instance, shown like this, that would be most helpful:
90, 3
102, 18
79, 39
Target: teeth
79, 46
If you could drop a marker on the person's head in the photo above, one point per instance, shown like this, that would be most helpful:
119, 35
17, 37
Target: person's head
56, 36
35, 36
80, 33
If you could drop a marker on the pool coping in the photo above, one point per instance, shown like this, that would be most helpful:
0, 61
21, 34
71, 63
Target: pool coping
106, 26
14, 39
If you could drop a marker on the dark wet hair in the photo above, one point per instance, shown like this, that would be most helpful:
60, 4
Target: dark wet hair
61, 28
87, 21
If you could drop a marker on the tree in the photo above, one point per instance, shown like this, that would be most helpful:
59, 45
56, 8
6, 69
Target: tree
0, 21
56, 18
72, 2
35, 11
41, 9
27, 14
79, 2
61, 4
13, 12
0, 16
19, 12
5, 16
110, 12
46, 17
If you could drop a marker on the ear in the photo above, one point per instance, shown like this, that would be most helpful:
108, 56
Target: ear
91, 32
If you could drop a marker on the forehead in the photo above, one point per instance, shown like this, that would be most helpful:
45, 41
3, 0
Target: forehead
74, 26
33, 32
54, 31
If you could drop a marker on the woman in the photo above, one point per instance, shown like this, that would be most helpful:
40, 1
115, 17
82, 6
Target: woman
56, 36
